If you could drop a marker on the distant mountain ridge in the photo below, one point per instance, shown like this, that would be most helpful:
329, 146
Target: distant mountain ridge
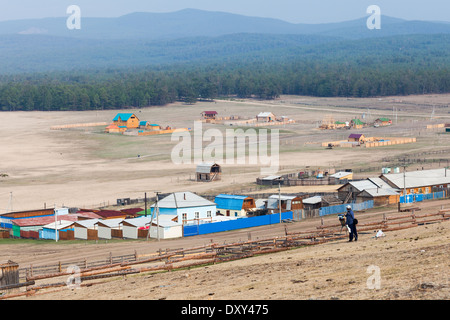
196, 23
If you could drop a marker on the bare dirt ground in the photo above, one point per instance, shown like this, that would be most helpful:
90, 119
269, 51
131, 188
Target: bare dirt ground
85, 167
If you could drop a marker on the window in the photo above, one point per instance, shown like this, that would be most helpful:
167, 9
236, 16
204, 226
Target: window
197, 215
184, 216
208, 214
236, 214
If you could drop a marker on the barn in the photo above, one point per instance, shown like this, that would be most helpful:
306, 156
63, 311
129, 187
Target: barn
208, 172
128, 120
108, 229
7, 218
234, 205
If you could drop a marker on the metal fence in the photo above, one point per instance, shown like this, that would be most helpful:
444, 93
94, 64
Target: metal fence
343, 208
419, 197
240, 223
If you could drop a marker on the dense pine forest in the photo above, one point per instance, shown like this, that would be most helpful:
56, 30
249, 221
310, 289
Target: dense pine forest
399, 65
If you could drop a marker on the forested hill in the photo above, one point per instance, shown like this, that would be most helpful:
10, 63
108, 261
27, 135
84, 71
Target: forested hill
54, 72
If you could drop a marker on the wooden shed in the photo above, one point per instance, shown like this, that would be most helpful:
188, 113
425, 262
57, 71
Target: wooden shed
9, 273
208, 172
86, 229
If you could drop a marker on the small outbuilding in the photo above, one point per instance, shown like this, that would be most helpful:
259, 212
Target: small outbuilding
209, 115
208, 172
356, 137
265, 117
234, 205
86, 229
108, 229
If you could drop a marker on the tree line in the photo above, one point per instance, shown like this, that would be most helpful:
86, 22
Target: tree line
122, 88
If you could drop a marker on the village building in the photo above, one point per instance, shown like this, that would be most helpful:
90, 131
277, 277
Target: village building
188, 207
357, 137
419, 181
369, 189
128, 120
357, 124
86, 229
207, 172
51, 231
234, 205
342, 175
209, 115
29, 227
108, 229
6, 219
288, 203
382, 122
265, 117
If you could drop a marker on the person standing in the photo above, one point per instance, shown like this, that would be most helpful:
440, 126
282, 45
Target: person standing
350, 220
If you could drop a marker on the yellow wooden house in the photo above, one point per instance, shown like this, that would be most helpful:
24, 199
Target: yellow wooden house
129, 120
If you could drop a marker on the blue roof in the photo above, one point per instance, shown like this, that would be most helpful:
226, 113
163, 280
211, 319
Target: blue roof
143, 123
123, 116
231, 202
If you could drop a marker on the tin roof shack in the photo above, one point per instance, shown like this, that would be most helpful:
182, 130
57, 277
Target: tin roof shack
29, 227
86, 229
52, 231
208, 172
168, 229
7, 218
420, 181
108, 229
288, 203
234, 205
135, 228
187, 206
9, 273
132, 212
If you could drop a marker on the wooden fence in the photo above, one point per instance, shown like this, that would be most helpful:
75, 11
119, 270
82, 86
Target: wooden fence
174, 259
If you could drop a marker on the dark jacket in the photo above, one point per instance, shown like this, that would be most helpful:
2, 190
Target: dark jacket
349, 217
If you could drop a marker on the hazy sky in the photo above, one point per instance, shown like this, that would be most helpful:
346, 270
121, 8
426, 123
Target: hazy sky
296, 11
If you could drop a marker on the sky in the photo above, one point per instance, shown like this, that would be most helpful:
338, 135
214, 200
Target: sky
294, 11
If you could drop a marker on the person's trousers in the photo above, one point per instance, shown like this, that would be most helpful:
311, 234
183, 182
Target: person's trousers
353, 233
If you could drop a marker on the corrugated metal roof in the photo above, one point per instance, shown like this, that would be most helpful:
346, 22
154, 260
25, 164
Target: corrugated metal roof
90, 223
265, 114
363, 184
205, 167
123, 116
111, 223
341, 174
419, 178
228, 201
380, 192
137, 222
312, 200
183, 200
42, 221
62, 224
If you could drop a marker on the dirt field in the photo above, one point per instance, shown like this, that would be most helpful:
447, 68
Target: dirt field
85, 167
88, 168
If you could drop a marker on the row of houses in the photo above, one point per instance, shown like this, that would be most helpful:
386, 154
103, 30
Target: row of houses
167, 217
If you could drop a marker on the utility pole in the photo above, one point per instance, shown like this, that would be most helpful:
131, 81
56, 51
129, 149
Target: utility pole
279, 199
56, 228
145, 200
404, 183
